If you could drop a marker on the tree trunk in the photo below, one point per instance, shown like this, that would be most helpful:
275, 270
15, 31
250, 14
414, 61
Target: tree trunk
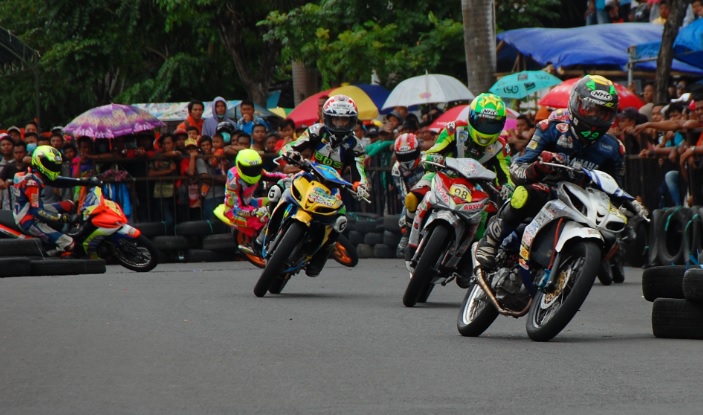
479, 43
666, 52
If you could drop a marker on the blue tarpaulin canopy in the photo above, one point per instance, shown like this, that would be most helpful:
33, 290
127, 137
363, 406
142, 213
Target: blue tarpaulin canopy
590, 47
688, 46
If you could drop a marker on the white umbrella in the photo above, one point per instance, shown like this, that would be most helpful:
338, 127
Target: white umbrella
427, 89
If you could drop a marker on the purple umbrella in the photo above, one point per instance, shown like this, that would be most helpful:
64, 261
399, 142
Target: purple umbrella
112, 120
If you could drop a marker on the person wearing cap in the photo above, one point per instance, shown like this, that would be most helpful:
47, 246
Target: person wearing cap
219, 115
15, 133
392, 124
179, 139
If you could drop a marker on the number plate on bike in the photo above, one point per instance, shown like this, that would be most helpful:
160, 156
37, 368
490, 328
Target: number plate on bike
460, 191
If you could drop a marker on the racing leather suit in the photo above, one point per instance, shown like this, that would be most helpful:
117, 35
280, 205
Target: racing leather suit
241, 207
31, 214
553, 136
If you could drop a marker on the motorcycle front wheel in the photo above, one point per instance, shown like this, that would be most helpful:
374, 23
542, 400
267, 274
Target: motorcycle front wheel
551, 312
274, 266
476, 314
138, 254
424, 271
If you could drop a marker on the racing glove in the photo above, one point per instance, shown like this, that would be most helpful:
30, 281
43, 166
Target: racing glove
91, 181
361, 191
549, 157
295, 157
506, 191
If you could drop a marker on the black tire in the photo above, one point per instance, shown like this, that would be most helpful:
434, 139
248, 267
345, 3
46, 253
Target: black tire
658, 216
383, 251
373, 238
635, 251
345, 253
426, 294
391, 239
138, 255
15, 267
671, 236
663, 282
221, 242
436, 243
95, 266
152, 229
200, 228
291, 238
171, 243
20, 247
45, 267
356, 238
364, 226
693, 285
364, 251
677, 319
476, 314
205, 255
617, 268
605, 273
390, 223
278, 284
581, 257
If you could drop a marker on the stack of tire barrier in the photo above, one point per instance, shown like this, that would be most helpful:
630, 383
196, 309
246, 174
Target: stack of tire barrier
673, 237
374, 236
677, 293
192, 241
24, 257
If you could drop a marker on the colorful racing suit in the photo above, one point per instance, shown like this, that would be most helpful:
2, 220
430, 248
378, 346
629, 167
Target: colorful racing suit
31, 215
241, 207
454, 142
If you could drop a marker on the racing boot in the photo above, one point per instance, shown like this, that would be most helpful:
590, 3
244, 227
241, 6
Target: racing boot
488, 245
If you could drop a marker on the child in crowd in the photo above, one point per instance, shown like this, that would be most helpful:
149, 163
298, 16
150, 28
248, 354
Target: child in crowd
244, 140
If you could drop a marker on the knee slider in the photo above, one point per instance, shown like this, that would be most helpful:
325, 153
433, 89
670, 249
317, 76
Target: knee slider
411, 202
519, 198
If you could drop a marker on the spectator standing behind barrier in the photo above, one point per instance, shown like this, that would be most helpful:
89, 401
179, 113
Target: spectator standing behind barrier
634, 142
212, 187
164, 190
69, 153
7, 145
195, 117
18, 164
219, 114
191, 209
519, 136
248, 119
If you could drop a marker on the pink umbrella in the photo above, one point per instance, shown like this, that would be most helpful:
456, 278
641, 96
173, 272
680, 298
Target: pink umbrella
460, 114
558, 97
112, 120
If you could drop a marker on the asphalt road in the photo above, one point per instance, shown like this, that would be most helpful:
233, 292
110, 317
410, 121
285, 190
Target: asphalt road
193, 339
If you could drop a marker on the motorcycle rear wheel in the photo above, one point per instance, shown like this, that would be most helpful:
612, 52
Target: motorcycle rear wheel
292, 237
432, 253
138, 255
345, 253
477, 313
551, 312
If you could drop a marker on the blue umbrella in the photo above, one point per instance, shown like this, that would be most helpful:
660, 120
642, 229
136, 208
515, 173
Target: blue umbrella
688, 46
521, 84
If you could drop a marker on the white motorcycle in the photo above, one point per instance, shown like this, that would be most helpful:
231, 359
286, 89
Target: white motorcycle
546, 268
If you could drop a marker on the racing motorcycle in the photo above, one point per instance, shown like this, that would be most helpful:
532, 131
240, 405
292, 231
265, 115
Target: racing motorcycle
301, 223
546, 268
459, 197
101, 231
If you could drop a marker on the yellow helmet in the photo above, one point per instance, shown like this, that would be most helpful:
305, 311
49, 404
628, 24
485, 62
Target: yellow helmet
48, 161
249, 166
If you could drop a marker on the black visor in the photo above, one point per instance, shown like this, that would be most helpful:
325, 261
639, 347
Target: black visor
251, 171
486, 125
50, 165
410, 156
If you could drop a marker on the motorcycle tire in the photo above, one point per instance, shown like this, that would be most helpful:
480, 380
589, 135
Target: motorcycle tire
290, 240
636, 249
663, 282
278, 284
605, 273
671, 236
255, 260
426, 294
432, 253
476, 314
551, 312
345, 253
138, 255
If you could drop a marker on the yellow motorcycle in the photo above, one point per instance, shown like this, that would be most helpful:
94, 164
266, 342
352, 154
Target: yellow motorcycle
301, 223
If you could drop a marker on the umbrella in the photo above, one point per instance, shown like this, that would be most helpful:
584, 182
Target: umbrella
368, 99
521, 84
460, 113
427, 89
688, 46
558, 97
112, 120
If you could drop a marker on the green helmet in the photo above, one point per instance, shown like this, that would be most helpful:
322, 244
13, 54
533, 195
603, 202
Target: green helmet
486, 118
48, 161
